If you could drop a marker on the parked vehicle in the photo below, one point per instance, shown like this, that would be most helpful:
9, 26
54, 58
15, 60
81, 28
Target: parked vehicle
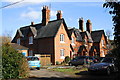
107, 66
34, 62
80, 60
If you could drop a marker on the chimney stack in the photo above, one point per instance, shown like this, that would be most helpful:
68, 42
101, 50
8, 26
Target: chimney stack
45, 15
32, 23
59, 14
89, 26
81, 22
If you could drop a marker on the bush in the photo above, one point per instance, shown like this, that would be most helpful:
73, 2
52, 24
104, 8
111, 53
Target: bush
57, 62
14, 64
67, 59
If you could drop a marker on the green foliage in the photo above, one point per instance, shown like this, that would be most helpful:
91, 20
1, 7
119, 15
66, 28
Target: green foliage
57, 62
14, 64
115, 12
67, 59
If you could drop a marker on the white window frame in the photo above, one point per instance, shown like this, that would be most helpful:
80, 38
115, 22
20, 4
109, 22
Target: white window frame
62, 53
18, 41
73, 41
102, 42
31, 40
62, 38
30, 52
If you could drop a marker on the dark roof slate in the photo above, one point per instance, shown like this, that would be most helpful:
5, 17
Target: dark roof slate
39, 31
96, 35
49, 30
88, 35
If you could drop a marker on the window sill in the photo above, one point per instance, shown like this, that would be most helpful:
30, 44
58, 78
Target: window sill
30, 43
62, 57
62, 42
73, 44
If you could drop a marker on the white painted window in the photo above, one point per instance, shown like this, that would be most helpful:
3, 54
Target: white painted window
18, 41
62, 53
103, 54
61, 37
102, 43
31, 40
30, 53
73, 40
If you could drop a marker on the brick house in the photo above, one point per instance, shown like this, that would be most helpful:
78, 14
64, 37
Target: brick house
89, 43
53, 40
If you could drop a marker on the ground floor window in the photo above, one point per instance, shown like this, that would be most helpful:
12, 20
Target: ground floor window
30, 53
62, 53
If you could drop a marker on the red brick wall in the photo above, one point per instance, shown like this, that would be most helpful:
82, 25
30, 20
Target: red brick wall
58, 45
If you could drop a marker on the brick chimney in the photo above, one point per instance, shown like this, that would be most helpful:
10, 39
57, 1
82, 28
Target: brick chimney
59, 14
45, 15
89, 26
81, 22
32, 23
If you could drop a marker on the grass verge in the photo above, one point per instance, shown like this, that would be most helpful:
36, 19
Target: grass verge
70, 71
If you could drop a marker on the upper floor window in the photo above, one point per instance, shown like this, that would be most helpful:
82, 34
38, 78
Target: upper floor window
73, 41
18, 41
102, 43
30, 40
61, 37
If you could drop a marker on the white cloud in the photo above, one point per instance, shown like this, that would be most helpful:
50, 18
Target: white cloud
33, 1
31, 14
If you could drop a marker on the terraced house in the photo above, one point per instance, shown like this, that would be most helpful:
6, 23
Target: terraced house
53, 40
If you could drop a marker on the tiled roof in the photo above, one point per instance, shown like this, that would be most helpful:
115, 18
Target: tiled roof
39, 31
88, 35
96, 35
76, 32
18, 47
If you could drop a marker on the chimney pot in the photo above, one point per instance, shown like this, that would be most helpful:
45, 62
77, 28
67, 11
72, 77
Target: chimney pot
32, 23
81, 22
59, 14
89, 26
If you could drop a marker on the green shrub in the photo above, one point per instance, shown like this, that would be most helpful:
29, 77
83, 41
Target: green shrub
67, 59
57, 62
14, 64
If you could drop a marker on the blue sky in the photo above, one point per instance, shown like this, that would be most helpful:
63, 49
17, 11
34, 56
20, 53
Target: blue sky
22, 14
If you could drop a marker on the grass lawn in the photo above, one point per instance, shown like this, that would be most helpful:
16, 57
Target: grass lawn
70, 71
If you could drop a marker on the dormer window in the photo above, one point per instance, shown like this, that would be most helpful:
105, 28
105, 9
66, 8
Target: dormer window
18, 41
31, 40
102, 42
73, 40
61, 38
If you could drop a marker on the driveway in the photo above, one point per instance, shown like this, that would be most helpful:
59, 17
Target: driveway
45, 74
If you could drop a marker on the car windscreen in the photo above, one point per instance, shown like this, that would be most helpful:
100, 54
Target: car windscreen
32, 58
81, 57
107, 60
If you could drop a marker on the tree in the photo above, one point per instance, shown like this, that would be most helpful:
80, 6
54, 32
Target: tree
115, 12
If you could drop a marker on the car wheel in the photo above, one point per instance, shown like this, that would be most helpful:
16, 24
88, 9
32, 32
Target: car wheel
108, 71
38, 68
70, 64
